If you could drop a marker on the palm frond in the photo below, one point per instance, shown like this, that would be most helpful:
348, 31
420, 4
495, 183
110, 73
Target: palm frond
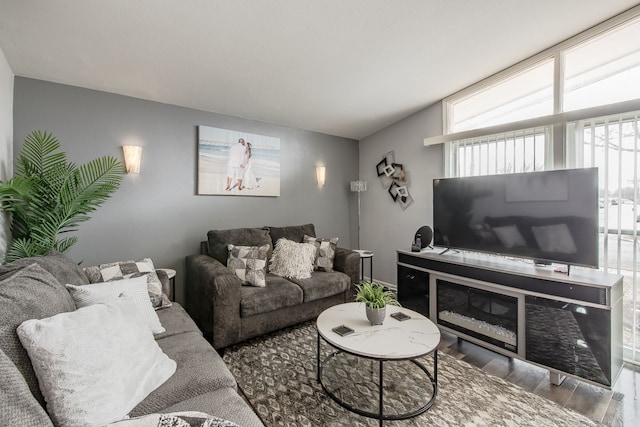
50, 196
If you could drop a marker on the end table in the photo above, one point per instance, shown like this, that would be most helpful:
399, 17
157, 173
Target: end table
364, 254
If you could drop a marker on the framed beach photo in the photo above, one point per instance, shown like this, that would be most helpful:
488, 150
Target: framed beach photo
235, 163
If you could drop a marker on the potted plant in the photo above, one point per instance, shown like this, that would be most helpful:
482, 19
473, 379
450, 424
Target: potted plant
376, 299
49, 197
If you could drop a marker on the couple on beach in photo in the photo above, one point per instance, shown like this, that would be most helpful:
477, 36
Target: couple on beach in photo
239, 166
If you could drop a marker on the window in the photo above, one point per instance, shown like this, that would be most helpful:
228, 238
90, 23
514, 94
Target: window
603, 70
575, 105
612, 144
522, 96
518, 151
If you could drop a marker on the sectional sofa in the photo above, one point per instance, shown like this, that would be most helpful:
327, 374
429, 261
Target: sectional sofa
34, 288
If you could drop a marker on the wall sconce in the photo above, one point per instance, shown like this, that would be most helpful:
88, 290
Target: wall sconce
320, 175
132, 158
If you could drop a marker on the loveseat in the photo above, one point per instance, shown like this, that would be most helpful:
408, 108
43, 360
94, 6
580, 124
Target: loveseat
228, 311
34, 288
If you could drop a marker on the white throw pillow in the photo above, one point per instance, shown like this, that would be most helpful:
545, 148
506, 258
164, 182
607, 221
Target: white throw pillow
95, 364
291, 259
86, 295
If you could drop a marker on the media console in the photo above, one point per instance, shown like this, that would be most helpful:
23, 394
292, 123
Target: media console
570, 324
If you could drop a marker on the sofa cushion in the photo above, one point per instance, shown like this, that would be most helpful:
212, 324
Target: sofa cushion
59, 265
325, 252
28, 293
96, 363
278, 293
219, 240
129, 269
291, 259
200, 370
176, 321
294, 232
18, 407
323, 284
249, 263
136, 287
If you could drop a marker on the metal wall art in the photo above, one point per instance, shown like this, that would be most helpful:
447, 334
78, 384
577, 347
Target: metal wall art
394, 178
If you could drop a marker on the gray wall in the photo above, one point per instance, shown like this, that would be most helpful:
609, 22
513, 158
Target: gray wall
6, 138
384, 226
157, 213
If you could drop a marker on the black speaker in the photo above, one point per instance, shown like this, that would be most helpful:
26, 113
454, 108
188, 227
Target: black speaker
426, 234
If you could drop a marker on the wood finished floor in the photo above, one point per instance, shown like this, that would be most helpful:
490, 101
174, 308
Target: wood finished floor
617, 407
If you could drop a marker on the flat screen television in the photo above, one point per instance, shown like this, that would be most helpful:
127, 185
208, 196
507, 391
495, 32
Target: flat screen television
549, 216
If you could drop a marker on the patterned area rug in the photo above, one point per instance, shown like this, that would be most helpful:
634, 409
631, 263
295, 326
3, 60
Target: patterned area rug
277, 374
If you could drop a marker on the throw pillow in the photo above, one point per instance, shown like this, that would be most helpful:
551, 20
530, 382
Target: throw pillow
325, 252
218, 241
28, 293
175, 419
291, 259
18, 407
59, 265
95, 364
97, 293
128, 269
249, 263
292, 232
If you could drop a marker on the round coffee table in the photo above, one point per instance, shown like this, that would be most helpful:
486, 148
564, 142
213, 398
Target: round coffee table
394, 340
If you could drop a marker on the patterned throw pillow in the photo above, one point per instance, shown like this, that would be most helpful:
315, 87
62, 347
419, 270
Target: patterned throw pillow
291, 259
249, 263
130, 269
174, 419
325, 252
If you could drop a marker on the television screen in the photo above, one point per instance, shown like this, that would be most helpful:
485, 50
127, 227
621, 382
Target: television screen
549, 216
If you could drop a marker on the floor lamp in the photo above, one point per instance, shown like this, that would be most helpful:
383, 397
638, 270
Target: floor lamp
358, 187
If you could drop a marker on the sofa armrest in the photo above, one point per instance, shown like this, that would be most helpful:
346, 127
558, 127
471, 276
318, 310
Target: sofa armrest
213, 299
348, 262
166, 285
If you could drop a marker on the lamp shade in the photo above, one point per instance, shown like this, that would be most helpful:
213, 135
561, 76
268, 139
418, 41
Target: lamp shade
320, 175
132, 157
358, 186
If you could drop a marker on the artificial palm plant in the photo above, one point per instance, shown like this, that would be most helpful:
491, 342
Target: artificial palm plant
49, 197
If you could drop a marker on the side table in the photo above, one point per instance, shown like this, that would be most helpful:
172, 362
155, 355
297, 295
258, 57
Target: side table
364, 254
171, 273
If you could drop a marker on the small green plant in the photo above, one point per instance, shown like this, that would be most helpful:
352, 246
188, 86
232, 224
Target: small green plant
374, 295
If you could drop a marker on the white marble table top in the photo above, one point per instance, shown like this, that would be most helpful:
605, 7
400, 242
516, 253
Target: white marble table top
363, 253
392, 340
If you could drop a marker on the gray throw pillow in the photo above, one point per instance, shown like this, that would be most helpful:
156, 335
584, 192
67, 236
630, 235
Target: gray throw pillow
325, 252
29, 293
18, 407
59, 265
294, 233
219, 241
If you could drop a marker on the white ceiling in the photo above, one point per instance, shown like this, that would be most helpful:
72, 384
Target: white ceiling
340, 67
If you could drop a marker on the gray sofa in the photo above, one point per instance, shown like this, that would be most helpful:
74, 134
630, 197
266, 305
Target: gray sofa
228, 312
201, 382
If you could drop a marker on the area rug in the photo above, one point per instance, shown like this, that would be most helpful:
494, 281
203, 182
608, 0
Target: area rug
277, 375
